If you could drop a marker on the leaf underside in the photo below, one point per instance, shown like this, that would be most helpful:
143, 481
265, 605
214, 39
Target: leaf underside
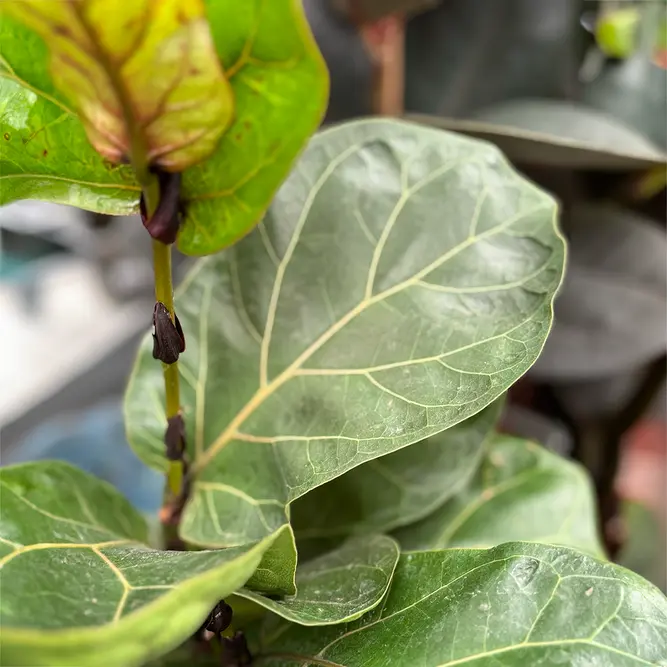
351, 324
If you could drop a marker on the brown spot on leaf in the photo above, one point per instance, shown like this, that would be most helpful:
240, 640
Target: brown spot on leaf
45, 152
246, 124
6, 136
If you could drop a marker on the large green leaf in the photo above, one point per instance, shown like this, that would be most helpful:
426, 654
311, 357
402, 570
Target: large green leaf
279, 84
396, 489
520, 492
556, 134
514, 605
79, 586
143, 77
338, 586
400, 282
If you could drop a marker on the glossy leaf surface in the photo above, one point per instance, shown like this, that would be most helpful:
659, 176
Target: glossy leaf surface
338, 586
517, 604
400, 282
520, 492
79, 585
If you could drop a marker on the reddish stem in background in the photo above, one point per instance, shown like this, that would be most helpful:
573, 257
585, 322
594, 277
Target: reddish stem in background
385, 40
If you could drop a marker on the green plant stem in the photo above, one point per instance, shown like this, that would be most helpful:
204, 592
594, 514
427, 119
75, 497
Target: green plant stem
161, 252
164, 292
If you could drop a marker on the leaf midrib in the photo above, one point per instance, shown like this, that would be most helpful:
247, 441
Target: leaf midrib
266, 390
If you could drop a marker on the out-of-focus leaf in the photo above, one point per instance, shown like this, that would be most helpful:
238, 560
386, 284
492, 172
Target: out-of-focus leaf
515, 605
604, 324
532, 425
79, 585
401, 281
522, 491
556, 134
339, 586
143, 76
611, 310
469, 54
644, 550
279, 84
396, 489
635, 92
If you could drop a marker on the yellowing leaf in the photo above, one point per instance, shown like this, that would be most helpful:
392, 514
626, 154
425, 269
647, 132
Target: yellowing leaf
144, 76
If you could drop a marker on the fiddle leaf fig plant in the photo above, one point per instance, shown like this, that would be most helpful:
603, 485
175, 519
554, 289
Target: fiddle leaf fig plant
322, 395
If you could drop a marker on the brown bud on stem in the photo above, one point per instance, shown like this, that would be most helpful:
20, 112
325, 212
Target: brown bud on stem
168, 338
174, 438
163, 225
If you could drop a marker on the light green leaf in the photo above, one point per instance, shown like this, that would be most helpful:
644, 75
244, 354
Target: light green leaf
396, 489
514, 605
275, 575
339, 586
616, 31
45, 151
279, 83
521, 492
143, 77
281, 87
401, 281
80, 588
